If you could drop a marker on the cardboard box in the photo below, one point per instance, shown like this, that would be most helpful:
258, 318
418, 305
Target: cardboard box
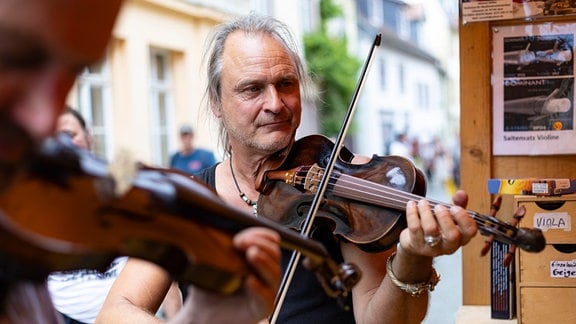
502, 283
532, 186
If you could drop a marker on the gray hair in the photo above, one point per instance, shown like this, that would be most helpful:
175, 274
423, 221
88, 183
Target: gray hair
250, 24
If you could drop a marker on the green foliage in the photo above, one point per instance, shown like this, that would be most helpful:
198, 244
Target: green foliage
329, 10
333, 69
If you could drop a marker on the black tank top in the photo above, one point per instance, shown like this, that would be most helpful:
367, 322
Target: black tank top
306, 301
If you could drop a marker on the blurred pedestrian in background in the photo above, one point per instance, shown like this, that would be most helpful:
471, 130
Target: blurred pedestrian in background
191, 159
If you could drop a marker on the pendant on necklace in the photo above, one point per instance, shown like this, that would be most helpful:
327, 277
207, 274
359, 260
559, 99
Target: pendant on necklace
244, 198
247, 200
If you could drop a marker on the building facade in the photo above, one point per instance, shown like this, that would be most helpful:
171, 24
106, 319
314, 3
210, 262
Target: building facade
412, 85
151, 80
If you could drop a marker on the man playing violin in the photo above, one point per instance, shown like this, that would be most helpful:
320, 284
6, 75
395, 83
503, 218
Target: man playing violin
44, 44
255, 82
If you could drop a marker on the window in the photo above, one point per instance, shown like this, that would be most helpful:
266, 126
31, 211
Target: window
310, 11
370, 10
263, 6
415, 31
391, 15
375, 12
363, 8
382, 72
423, 96
401, 78
161, 105
94, 105
387, 126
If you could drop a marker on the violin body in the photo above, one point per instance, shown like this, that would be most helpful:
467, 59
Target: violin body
70, 199
363, 204
370, 226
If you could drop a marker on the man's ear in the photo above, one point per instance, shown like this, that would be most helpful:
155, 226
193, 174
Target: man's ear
216, 110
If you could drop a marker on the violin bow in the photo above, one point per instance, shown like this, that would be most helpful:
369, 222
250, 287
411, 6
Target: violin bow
319, 195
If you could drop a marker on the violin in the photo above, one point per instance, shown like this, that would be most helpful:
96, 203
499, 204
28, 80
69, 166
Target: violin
364, 204
68, 210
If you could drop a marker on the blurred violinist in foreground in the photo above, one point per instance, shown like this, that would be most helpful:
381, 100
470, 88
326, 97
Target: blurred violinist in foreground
255, 82
78, 295
43, 46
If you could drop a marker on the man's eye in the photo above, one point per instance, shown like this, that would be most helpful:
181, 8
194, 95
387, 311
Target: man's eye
288, 83
253, 89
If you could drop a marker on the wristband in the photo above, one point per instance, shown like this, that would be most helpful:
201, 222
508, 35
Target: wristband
415, 289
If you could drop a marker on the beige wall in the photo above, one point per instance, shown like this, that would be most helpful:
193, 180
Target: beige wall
168, 25
179, 28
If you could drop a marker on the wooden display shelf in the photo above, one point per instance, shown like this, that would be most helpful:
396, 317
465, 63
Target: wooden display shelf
546, 281
479, 315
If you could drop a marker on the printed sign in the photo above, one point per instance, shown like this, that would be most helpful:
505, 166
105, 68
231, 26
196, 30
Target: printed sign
533, 89
486, 10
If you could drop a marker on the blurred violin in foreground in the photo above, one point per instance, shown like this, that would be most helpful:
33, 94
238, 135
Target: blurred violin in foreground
66, 209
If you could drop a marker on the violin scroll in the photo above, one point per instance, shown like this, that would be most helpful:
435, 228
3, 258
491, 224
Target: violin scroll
530, 239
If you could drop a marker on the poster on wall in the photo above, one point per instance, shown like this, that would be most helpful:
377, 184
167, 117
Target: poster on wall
486, 10
533, 89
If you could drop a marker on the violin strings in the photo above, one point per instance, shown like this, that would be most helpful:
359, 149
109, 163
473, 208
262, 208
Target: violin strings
367, 191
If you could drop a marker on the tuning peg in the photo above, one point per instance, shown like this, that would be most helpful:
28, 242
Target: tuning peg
494, 208
509, 255
518, 215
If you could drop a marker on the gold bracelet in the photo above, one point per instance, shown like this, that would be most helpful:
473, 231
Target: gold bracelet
413, 289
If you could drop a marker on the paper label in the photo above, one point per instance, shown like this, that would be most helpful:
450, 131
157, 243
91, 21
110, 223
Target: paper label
556, 221
487, 10
540, 188
563, 269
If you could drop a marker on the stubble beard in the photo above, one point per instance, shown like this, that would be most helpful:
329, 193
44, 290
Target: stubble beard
265, 144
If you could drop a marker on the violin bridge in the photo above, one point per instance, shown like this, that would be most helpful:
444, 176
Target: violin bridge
123, 170
303, 177
313, 178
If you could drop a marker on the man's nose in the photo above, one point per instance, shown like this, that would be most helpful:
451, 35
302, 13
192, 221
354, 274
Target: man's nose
274, 101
